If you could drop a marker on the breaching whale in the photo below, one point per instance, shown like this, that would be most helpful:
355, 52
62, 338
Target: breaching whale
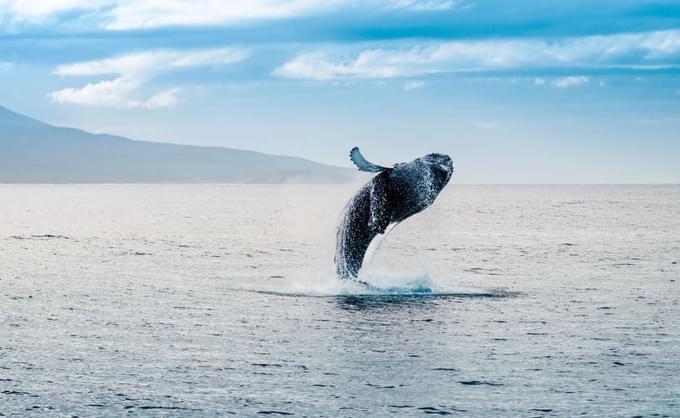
393, 195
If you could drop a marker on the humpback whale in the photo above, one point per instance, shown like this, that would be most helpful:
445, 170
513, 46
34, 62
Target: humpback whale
392, 195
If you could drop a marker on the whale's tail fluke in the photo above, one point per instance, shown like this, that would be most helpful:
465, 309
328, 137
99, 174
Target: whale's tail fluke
363, 164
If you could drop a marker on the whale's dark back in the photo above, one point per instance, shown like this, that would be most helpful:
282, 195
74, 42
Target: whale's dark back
391, 196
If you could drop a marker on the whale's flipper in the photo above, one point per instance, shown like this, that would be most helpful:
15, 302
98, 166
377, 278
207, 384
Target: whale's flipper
363, 164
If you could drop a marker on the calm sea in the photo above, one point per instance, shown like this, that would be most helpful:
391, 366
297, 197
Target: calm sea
210, 300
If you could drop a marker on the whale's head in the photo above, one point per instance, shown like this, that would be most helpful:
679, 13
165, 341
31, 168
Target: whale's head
440, 168
415, 185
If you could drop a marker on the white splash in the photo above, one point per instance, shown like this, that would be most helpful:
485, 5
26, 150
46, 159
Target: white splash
370, 283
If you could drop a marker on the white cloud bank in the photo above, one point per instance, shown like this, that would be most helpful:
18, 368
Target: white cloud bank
114, 93
145, 14
33, 10
132, 72
639, 50
571, 81
151, 14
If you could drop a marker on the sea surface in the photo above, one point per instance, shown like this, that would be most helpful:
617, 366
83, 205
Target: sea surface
217, 300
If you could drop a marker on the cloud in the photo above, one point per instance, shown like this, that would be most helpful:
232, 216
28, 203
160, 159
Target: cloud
146, 14
144, 63
151, 14
424, 5
646, 50
413, 85
375, 63
114, 93
111, 93
166, 98
571, 81
132, 72
36, 10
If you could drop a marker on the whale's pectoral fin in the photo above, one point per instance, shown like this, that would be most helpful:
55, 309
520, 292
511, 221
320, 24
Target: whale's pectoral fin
379, 212
363, 164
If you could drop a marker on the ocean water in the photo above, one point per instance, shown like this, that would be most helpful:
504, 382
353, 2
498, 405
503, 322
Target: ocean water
216, 300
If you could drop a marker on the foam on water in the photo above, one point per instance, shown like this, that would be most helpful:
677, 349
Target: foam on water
370, 283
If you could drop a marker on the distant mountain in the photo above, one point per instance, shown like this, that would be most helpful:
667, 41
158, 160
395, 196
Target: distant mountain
35, 152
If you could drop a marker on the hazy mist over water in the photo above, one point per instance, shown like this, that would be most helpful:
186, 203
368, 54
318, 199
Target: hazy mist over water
210, 300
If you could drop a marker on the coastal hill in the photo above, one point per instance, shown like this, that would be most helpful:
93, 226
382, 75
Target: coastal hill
32, 151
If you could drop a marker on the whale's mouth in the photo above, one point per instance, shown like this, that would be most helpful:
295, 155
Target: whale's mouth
441, 165
448, 169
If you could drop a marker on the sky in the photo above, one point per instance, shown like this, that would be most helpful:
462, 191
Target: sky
515, 91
